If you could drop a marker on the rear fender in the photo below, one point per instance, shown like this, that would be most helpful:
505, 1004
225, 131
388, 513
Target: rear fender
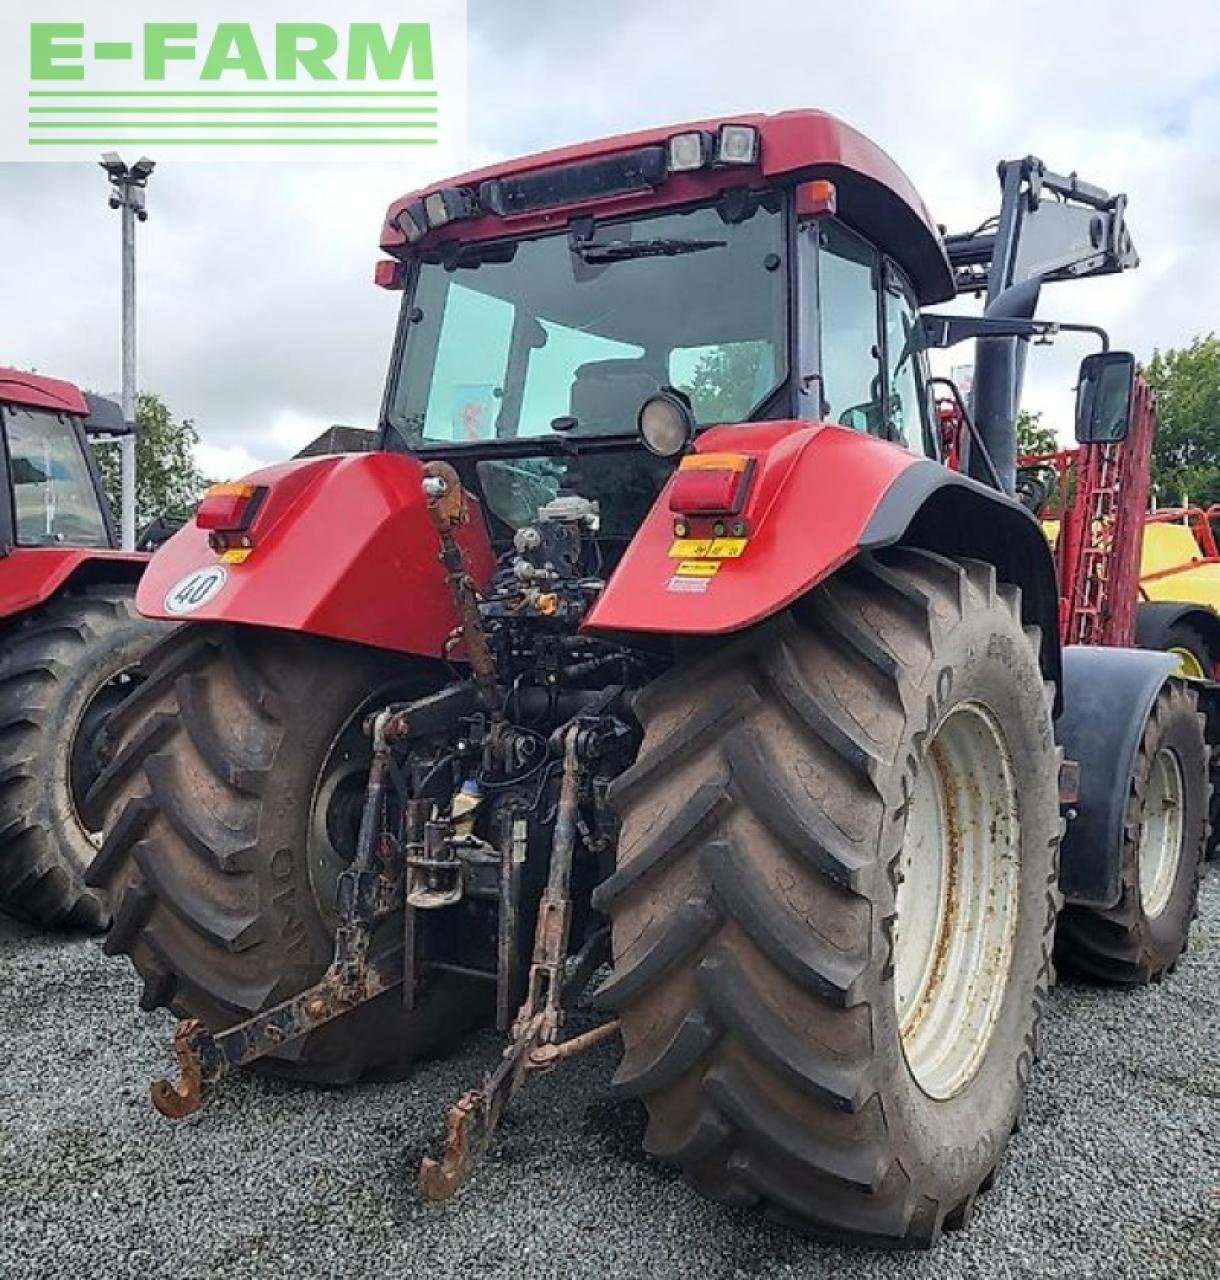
1155, 618
820, 495
343, 547
29, 576
1107, 696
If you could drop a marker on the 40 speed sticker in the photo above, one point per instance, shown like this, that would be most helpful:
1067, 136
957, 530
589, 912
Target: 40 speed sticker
195, 590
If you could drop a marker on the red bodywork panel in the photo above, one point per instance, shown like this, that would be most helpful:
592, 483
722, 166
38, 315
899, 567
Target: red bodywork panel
791, 142
343, 547
30, 575
33, 391
812, 492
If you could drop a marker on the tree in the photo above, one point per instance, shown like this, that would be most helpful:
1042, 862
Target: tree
168, 480
1032, 436
1186, 452
723, 382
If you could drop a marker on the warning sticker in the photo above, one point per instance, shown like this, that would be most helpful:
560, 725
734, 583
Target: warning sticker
697, 568
707, 548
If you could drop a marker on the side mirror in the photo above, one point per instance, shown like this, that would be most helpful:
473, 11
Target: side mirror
105, 417
1103, 397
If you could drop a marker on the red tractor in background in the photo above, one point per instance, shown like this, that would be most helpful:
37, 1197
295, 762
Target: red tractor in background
70, 641
658, 631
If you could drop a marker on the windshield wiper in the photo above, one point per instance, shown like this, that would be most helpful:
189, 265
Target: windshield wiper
623, 250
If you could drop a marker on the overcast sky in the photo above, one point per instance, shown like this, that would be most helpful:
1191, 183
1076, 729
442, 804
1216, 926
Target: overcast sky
258, 316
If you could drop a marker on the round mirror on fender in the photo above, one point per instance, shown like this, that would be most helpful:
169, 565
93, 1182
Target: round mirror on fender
666, 424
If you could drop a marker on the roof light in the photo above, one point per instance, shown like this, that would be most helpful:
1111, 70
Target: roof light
817, 199
711, 484
229, 508
450, 205
412, 221
736, 144
687, 151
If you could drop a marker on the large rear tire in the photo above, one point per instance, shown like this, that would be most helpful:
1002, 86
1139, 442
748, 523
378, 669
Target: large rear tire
835, 899
231, 803
1142, 937
63, 667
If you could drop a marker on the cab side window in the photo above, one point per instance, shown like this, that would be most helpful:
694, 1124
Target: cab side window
905, 378
848, 278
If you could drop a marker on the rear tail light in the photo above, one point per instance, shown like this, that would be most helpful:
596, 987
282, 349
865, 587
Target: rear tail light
711, 484
229, 508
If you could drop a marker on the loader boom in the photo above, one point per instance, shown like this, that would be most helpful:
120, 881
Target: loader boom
1049, 228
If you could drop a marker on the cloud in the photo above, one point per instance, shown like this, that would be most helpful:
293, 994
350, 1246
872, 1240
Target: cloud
258, 316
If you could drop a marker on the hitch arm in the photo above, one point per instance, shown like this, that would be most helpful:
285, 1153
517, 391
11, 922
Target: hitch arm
204, 1059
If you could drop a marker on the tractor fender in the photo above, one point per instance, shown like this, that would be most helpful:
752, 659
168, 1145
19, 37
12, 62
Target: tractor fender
29, 576
1154, 619
1107, 696
342, 546
819, 495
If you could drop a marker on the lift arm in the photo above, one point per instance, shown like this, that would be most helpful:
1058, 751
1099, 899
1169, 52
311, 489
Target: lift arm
1049, 228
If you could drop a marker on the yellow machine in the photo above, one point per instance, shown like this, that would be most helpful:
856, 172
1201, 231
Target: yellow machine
1180, 589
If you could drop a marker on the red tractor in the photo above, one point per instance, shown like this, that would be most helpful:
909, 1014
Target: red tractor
657, 632
71, 641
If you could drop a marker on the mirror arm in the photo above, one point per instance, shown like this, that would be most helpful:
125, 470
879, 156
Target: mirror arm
937, 332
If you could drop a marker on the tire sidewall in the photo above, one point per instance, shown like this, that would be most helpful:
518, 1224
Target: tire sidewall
313, 717
984, 658
109, 654
1178, 731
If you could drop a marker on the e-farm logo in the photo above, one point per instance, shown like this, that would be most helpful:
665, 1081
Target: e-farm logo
299, 81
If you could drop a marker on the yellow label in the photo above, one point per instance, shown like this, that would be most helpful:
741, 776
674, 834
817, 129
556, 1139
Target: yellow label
707, 548
235, 555
697, 568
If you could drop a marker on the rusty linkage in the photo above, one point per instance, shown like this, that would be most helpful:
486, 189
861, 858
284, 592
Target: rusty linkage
534, 1044
384, 875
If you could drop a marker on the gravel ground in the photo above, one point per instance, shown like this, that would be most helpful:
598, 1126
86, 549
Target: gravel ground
1115, 1173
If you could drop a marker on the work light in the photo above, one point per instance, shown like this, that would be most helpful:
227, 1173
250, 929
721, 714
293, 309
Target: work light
689, 151
666, 424
412, 221
736, 144
449, 205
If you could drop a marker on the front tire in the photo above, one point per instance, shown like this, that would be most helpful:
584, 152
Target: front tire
767, 951
231, 805
1142, 937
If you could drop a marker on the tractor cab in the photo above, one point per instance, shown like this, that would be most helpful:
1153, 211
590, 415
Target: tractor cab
761, 270
51, 495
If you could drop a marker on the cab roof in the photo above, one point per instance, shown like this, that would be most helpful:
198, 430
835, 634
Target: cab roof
34, 391
874, 195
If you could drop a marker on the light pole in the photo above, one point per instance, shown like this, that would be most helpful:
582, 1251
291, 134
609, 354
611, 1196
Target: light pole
127, 195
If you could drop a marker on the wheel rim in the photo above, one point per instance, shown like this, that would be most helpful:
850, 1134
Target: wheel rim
1161, 831
1188, 663
957, 901
334, 814
85, 761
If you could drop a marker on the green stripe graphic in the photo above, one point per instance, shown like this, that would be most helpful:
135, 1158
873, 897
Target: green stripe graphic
236, 142
149, 109
231, 124
233, 93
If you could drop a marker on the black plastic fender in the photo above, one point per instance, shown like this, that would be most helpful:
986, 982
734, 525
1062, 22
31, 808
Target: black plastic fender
1155, 618
1107, 696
